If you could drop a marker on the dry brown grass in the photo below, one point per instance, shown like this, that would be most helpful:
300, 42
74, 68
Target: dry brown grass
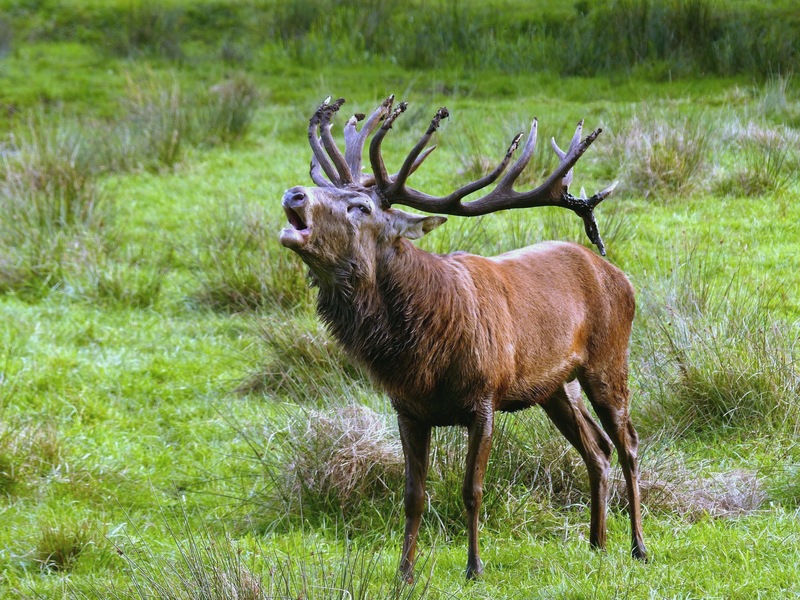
343, 455
670, 484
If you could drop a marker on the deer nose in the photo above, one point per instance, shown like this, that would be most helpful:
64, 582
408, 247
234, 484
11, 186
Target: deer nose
294, 197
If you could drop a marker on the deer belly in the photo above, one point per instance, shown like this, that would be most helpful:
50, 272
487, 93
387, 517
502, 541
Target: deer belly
529, 396
434, 413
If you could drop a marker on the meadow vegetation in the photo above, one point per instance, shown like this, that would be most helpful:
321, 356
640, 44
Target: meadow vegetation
176, 423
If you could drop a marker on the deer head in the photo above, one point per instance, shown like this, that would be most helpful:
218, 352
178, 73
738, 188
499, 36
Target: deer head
337, 230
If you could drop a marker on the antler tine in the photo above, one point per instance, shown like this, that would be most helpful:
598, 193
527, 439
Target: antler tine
421, 159
576, 138
316, 147
354, 139
411, 163
351, 136
527, 152
375, 158
591, 229
317, 176
327, 111
605, 193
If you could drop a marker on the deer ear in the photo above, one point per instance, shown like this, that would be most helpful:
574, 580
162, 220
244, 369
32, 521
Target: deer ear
413, 227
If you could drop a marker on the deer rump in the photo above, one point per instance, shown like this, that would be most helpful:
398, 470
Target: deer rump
455, 338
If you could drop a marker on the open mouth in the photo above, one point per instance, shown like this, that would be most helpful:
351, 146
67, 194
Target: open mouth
295, 220
296, 234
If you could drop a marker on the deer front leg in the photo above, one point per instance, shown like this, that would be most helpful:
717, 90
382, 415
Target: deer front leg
480, 443
416, 439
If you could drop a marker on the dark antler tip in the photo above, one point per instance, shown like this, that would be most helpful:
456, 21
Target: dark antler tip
360, 116
402, 106
440, 114
592, 136
514, 145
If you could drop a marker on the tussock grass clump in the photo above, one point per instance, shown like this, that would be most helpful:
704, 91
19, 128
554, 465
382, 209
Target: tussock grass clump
203, 565
53, 209
48, 176
778, 101
714, 356
531, 460
158, 126
659, 155
730, 494
530, 457
60, 544
26, 452
241, 266
784, 486
671, 483
231, 106
767, 162
531, 472
57, 230
340, 459
163, 119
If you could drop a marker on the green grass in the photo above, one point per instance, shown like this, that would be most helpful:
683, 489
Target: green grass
169, 401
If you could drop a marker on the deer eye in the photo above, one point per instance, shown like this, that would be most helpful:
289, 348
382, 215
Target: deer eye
365, 209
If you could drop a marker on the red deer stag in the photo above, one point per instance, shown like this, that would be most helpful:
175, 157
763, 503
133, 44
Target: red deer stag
455, 338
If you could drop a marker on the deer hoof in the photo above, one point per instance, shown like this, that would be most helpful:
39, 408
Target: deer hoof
406, 576
474, 570
640, 553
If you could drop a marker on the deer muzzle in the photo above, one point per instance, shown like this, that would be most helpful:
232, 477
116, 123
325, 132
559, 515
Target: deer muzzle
296, 206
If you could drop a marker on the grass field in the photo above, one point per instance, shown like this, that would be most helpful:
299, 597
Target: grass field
175, 422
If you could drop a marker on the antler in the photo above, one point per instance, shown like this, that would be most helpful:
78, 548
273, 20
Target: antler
393, 189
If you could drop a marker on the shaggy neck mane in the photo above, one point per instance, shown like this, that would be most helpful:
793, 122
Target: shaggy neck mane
401, 318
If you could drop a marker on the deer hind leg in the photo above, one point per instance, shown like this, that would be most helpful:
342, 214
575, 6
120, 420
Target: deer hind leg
568, 413
609, 396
